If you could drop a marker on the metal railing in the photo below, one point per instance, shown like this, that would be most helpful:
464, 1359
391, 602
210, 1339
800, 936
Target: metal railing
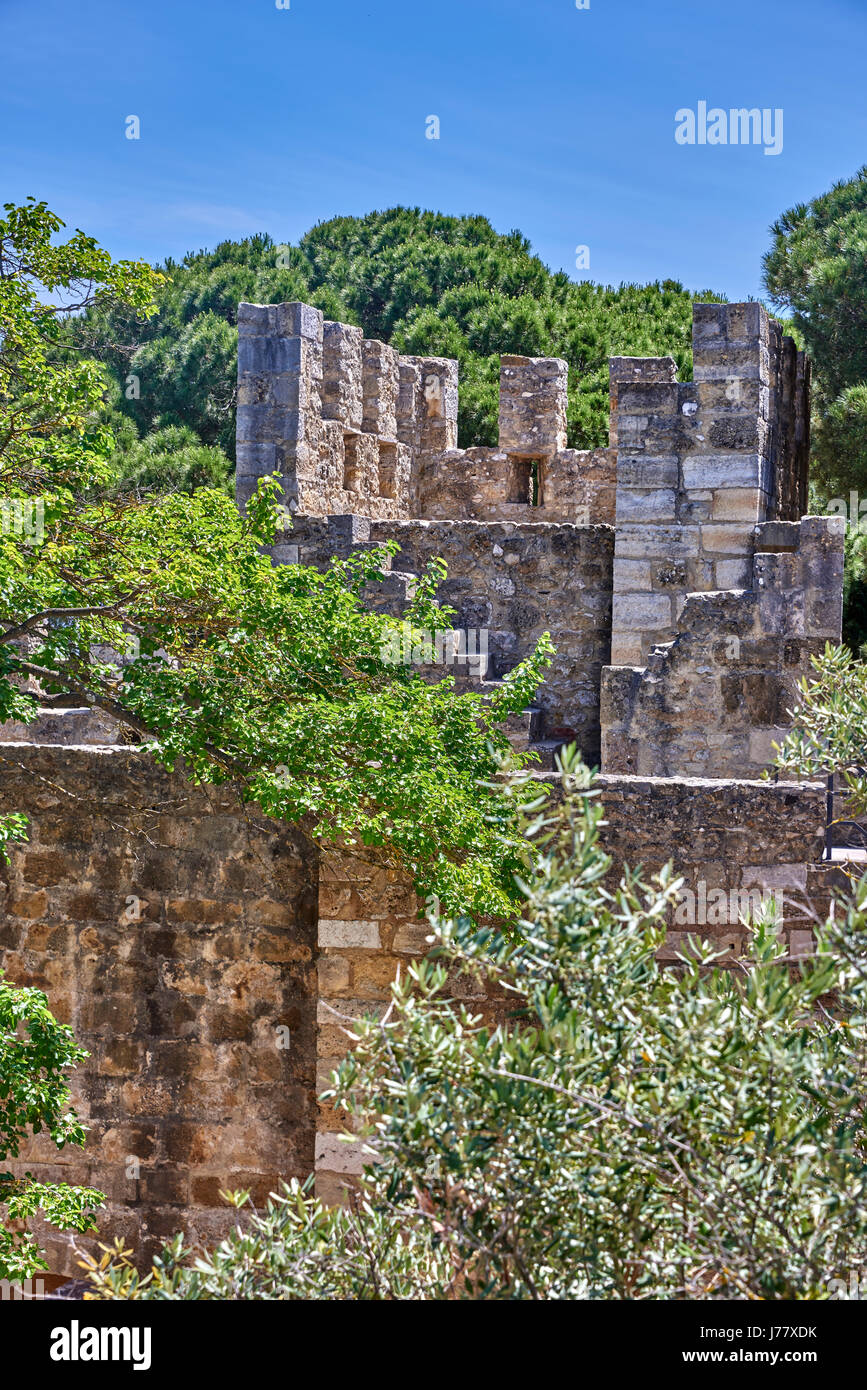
857, 830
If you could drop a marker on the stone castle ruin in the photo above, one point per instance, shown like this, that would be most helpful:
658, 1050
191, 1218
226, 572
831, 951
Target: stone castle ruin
184, 936
683, 590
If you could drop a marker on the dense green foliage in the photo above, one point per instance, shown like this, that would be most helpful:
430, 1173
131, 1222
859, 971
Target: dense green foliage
450, 286
276, 678
855, 592
632, 1132
170, 459
54, 439
829, 728
36, 1052
816, 270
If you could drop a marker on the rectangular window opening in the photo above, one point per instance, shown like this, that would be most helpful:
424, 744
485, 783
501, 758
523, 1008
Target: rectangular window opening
350, 462
525, 482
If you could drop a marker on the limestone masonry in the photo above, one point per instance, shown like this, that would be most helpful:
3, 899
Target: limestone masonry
209, 958
683, 591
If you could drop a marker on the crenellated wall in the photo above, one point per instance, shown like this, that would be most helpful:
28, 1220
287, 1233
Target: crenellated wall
530, 475
352, 426
486, 484
692, 473
341, 418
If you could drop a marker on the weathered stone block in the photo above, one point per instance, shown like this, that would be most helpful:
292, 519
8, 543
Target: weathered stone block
335, 976
647, 470
722, 471
533, 401
359, 935
336, 1154
645, 542
361, 465
777, 536
297, 320
638, 506
641, 612
733, 574
726, 537
395, 470
647, 398
632, 575
413, 939
427, 411
739, 504
736, 364
342, 393
642, 369
381, 385
694, 507
267, 356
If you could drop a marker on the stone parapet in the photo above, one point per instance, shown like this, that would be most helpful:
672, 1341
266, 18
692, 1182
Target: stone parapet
716, 698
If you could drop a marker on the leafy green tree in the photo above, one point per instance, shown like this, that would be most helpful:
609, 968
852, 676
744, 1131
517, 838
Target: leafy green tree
171, 459
829, 725
840, 443
276, 678
297, 1248
51, 435
36, 1052
429, 284
197, 366
816, 269
631, 1131
855, 591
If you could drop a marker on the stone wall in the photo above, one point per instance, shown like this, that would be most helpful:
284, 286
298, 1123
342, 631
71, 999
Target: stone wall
714, 700
530, 475
211, 961
366, 442
734, 844
350, 426
369, 930
511, 582
484, 484
516, 581
728, 840
341, 418
175, 930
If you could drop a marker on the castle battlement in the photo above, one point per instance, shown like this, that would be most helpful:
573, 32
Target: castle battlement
352, 426
365, 441
342, 418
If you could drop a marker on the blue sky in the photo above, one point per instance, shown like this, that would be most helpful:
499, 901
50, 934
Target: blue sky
554, 120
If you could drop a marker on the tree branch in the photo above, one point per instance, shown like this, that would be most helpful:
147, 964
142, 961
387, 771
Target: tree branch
13, 633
